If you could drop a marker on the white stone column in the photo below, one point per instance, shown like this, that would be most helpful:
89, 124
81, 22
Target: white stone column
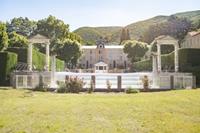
154, 64
159, 58
155, 72
53, 71
176, 64
47, 58
29, 58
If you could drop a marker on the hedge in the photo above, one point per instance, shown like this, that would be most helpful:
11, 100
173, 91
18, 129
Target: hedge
189, 57
60, 65
146, 65
38, 58
188, 62
8, 60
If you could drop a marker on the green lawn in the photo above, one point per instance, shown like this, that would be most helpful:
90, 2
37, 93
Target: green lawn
23, 111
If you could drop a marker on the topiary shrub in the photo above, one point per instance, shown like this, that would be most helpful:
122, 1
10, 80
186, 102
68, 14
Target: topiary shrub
130, 90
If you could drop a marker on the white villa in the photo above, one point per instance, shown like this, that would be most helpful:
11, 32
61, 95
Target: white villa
102, 57
192, 40
112, 55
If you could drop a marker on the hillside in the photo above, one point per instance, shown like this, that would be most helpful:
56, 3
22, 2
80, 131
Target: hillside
91, 34
137, 29
194, 16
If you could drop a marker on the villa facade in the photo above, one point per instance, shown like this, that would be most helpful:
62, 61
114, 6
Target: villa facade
112, 55
192, 40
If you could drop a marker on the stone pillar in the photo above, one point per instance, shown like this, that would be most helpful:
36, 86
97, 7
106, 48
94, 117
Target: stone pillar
53, 70
171, 82
29, 58
47, 58
155, 72
119, 83
159, 58
194, 82
176, 65
154, 64
93, 81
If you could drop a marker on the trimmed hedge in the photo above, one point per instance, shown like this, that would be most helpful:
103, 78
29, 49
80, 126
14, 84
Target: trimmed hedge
146, 65
189, 58
21, 52
188, 62
38, 58
60, 65
8, 61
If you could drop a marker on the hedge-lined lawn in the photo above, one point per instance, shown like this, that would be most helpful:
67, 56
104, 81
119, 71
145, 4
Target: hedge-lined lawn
23, 111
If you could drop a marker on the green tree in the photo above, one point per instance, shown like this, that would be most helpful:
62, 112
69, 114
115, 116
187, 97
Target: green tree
135, 50
3, 36
22, 26
53, 28
57, 31
69, 51
16, 40
74, 37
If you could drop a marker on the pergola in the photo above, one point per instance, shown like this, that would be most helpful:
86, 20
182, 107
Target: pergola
166, 40
38, 39
31, 79
101, 67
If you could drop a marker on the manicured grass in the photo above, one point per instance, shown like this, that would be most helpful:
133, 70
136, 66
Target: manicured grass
23, 111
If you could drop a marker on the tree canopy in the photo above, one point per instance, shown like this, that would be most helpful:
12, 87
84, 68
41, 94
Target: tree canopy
3, 36
22, 26
135, 50
64, 43
53, 28
16, 40
69, 51
58, 32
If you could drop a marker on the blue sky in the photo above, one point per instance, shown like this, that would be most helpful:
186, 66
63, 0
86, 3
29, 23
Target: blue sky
78, 13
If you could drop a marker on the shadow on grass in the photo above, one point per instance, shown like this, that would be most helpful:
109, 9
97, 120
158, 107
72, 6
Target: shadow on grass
5, 88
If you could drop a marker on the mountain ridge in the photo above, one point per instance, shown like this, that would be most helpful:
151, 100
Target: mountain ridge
136, 29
